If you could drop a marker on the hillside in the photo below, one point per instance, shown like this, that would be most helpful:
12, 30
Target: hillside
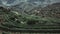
49, 11
38, 18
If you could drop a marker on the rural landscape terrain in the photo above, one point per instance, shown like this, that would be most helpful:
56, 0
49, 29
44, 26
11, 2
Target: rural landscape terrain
29, 16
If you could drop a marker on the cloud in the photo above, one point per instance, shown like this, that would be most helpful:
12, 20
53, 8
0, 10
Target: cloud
37, 2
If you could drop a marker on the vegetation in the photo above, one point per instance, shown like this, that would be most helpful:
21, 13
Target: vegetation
14, 19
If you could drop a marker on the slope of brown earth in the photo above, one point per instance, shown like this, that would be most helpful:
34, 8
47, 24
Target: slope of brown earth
50, 11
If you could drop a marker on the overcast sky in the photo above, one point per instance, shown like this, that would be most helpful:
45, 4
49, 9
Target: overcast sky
14, 2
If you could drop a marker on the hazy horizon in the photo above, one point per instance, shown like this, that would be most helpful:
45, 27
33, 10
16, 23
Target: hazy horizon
37, 2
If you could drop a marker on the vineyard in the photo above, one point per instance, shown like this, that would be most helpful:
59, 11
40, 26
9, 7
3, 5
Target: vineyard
44, 18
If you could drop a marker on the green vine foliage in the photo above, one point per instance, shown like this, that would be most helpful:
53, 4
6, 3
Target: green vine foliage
5, 33
17, 20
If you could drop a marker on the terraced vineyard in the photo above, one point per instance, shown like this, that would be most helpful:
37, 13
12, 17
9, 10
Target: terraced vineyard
43, 20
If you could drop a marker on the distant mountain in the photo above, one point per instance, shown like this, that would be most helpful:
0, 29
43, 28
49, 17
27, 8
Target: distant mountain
10, 1
24, 6
0, 2
27, 5
35, 2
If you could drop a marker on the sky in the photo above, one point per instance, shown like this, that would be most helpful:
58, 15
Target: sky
37, 2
